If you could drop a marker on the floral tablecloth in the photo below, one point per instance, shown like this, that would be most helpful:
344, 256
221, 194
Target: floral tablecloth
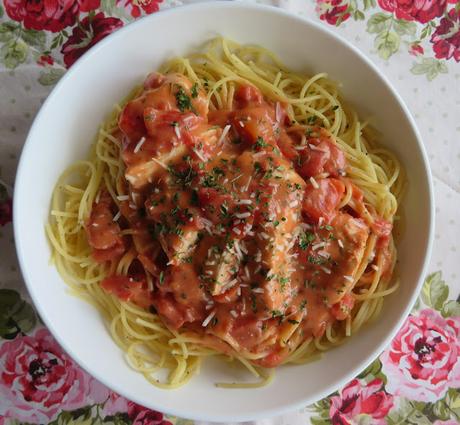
416, 380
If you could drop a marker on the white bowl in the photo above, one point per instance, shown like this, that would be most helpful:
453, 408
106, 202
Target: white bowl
65, 126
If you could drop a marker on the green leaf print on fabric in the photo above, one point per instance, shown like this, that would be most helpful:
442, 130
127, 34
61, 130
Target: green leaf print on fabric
404, 27
374, 370
13, 53
430, 67
86, 414
435, 293
48, 78
321, 410
449, 407
7, 31
16, 315
407, 412
451, 308
378, 23
387, 43
34, 38
388, 30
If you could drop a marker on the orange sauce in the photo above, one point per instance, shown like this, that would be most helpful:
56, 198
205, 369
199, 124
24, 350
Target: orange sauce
236, 216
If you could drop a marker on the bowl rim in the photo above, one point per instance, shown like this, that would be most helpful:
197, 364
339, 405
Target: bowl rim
206, 6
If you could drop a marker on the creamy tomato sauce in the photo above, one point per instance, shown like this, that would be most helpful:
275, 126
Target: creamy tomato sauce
236, 218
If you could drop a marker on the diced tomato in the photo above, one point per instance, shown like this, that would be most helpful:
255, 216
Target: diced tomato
104, 234
323, 201
342, 309
313, 160
125, 288
103, 255
248, 95
382, 228
286, 146
323, 156
131, 121
255, 124
169, 310
336, 163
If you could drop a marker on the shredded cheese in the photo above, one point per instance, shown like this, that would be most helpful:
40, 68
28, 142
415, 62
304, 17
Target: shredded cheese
208, 319
139, 144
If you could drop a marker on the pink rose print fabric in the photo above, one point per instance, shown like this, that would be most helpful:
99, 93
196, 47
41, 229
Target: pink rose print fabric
361, 399
333, 11
424, 358
91, 30
136, 8
446, 38
38, 379
422, 11
45, 15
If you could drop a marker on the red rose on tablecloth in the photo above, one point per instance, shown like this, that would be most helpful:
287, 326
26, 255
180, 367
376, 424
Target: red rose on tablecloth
43, 14
142, 416
90, 30
423, 361
6, 211
416, 50
358, 398
88, 5
38, 380
332, 10
446, 38
115, 404
134, 6
419, 10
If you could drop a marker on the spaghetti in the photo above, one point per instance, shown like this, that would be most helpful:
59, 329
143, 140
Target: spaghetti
229, 207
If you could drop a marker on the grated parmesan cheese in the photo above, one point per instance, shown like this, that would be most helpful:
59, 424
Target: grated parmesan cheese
314, 183
208, 319
224, 133
117, 216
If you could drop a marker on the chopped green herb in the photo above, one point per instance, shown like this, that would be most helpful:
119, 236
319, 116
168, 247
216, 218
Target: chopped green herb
260, 143
293, 322
194, 90
183, 100
316, 260
305, 240
162, 278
